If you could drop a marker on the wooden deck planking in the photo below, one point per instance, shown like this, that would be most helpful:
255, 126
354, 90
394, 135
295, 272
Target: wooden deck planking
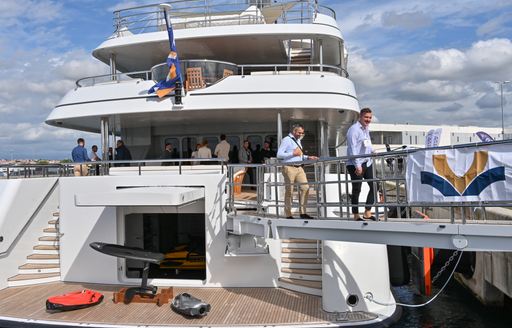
230, 306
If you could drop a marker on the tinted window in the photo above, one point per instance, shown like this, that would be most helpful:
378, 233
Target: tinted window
188, 145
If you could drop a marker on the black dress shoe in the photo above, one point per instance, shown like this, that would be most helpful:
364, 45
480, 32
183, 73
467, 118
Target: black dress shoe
290, 217
305, 216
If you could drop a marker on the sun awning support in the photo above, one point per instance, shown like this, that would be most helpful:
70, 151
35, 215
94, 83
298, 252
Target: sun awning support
279, 129
104, 127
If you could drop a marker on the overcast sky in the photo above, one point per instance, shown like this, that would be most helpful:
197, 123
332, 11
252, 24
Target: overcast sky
416, 61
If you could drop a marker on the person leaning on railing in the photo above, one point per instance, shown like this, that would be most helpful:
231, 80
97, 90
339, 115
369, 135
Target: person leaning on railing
292, 155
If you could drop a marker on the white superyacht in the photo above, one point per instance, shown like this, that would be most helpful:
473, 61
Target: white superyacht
250, 69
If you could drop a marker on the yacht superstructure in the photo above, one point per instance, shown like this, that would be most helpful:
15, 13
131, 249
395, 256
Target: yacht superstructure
251, 69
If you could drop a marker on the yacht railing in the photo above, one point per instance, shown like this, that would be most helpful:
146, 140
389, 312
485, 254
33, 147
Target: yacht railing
213, 71
329, 183
207, 13
97, 168
330, 188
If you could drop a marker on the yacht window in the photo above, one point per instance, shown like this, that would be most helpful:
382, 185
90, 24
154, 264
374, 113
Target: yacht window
273, 141
233, 141
188, 145
175, 146
212, 142
255, 140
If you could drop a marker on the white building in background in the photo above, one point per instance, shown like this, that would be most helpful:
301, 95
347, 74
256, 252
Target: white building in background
414, 135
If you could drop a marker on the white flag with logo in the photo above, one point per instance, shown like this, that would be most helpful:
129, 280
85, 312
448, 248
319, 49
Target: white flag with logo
463, 174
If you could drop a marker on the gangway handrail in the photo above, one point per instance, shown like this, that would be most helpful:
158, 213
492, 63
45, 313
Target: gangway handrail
271, 206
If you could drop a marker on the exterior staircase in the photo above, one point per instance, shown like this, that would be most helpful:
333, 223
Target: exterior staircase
301, 266
43, 265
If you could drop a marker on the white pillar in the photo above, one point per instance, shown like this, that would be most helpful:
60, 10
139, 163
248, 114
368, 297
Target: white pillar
113, 69
104, 138
279, 129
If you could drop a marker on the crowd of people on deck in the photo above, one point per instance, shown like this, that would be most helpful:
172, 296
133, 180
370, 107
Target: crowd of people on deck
223, 150
290, 154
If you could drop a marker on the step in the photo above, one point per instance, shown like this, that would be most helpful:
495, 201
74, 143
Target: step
50, 230
302, 274
32, 279
314, 272
49, 240
53, 222
35, 268
298, 240
299, 260
43, 258
306, 287
299, 263
299, 250
301, 255
303, 246
46, 249
56, 214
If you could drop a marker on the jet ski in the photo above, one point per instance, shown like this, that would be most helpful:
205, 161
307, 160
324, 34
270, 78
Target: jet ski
184, 257
190, 306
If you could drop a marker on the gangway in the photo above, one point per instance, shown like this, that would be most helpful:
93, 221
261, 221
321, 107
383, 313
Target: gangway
443, 197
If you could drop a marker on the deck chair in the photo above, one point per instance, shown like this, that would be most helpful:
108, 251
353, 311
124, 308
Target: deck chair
132, 253
238, 179
195, 79
227, 72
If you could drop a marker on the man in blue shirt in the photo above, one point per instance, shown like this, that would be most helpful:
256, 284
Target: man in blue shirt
79, 155
359, 143
291, 153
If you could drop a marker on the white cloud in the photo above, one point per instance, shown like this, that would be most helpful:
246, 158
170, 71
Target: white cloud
406, 20
490, 100
432, 90
429, 87
496, 25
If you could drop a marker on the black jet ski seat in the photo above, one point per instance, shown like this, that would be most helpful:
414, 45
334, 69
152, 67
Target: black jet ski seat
133, 253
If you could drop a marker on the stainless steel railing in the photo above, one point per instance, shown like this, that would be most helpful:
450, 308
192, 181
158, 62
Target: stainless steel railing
96, 168
213, 71
206, 13
331, 185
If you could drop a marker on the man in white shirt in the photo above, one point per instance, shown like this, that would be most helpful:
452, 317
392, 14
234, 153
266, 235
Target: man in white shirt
291, 153
359, 143
222, 148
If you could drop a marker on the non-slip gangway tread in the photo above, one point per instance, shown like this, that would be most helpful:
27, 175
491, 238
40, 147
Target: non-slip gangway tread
33, 276
304, 283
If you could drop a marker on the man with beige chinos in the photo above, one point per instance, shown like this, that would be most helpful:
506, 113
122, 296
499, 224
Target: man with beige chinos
292, 155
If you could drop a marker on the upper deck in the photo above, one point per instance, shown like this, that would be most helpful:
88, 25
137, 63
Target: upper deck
243, 32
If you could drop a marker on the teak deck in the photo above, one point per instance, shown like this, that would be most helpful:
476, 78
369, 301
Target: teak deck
230, 307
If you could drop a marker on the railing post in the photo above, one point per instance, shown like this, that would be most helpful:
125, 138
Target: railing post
349, 201
317, 189
276, 191
179, 167
140, 171
340, 195
375, 189
260, 180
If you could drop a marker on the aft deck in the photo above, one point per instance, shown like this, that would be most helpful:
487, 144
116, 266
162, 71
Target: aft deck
231, 307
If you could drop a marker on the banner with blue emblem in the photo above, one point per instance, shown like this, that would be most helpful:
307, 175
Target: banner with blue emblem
164, 87
462, 174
